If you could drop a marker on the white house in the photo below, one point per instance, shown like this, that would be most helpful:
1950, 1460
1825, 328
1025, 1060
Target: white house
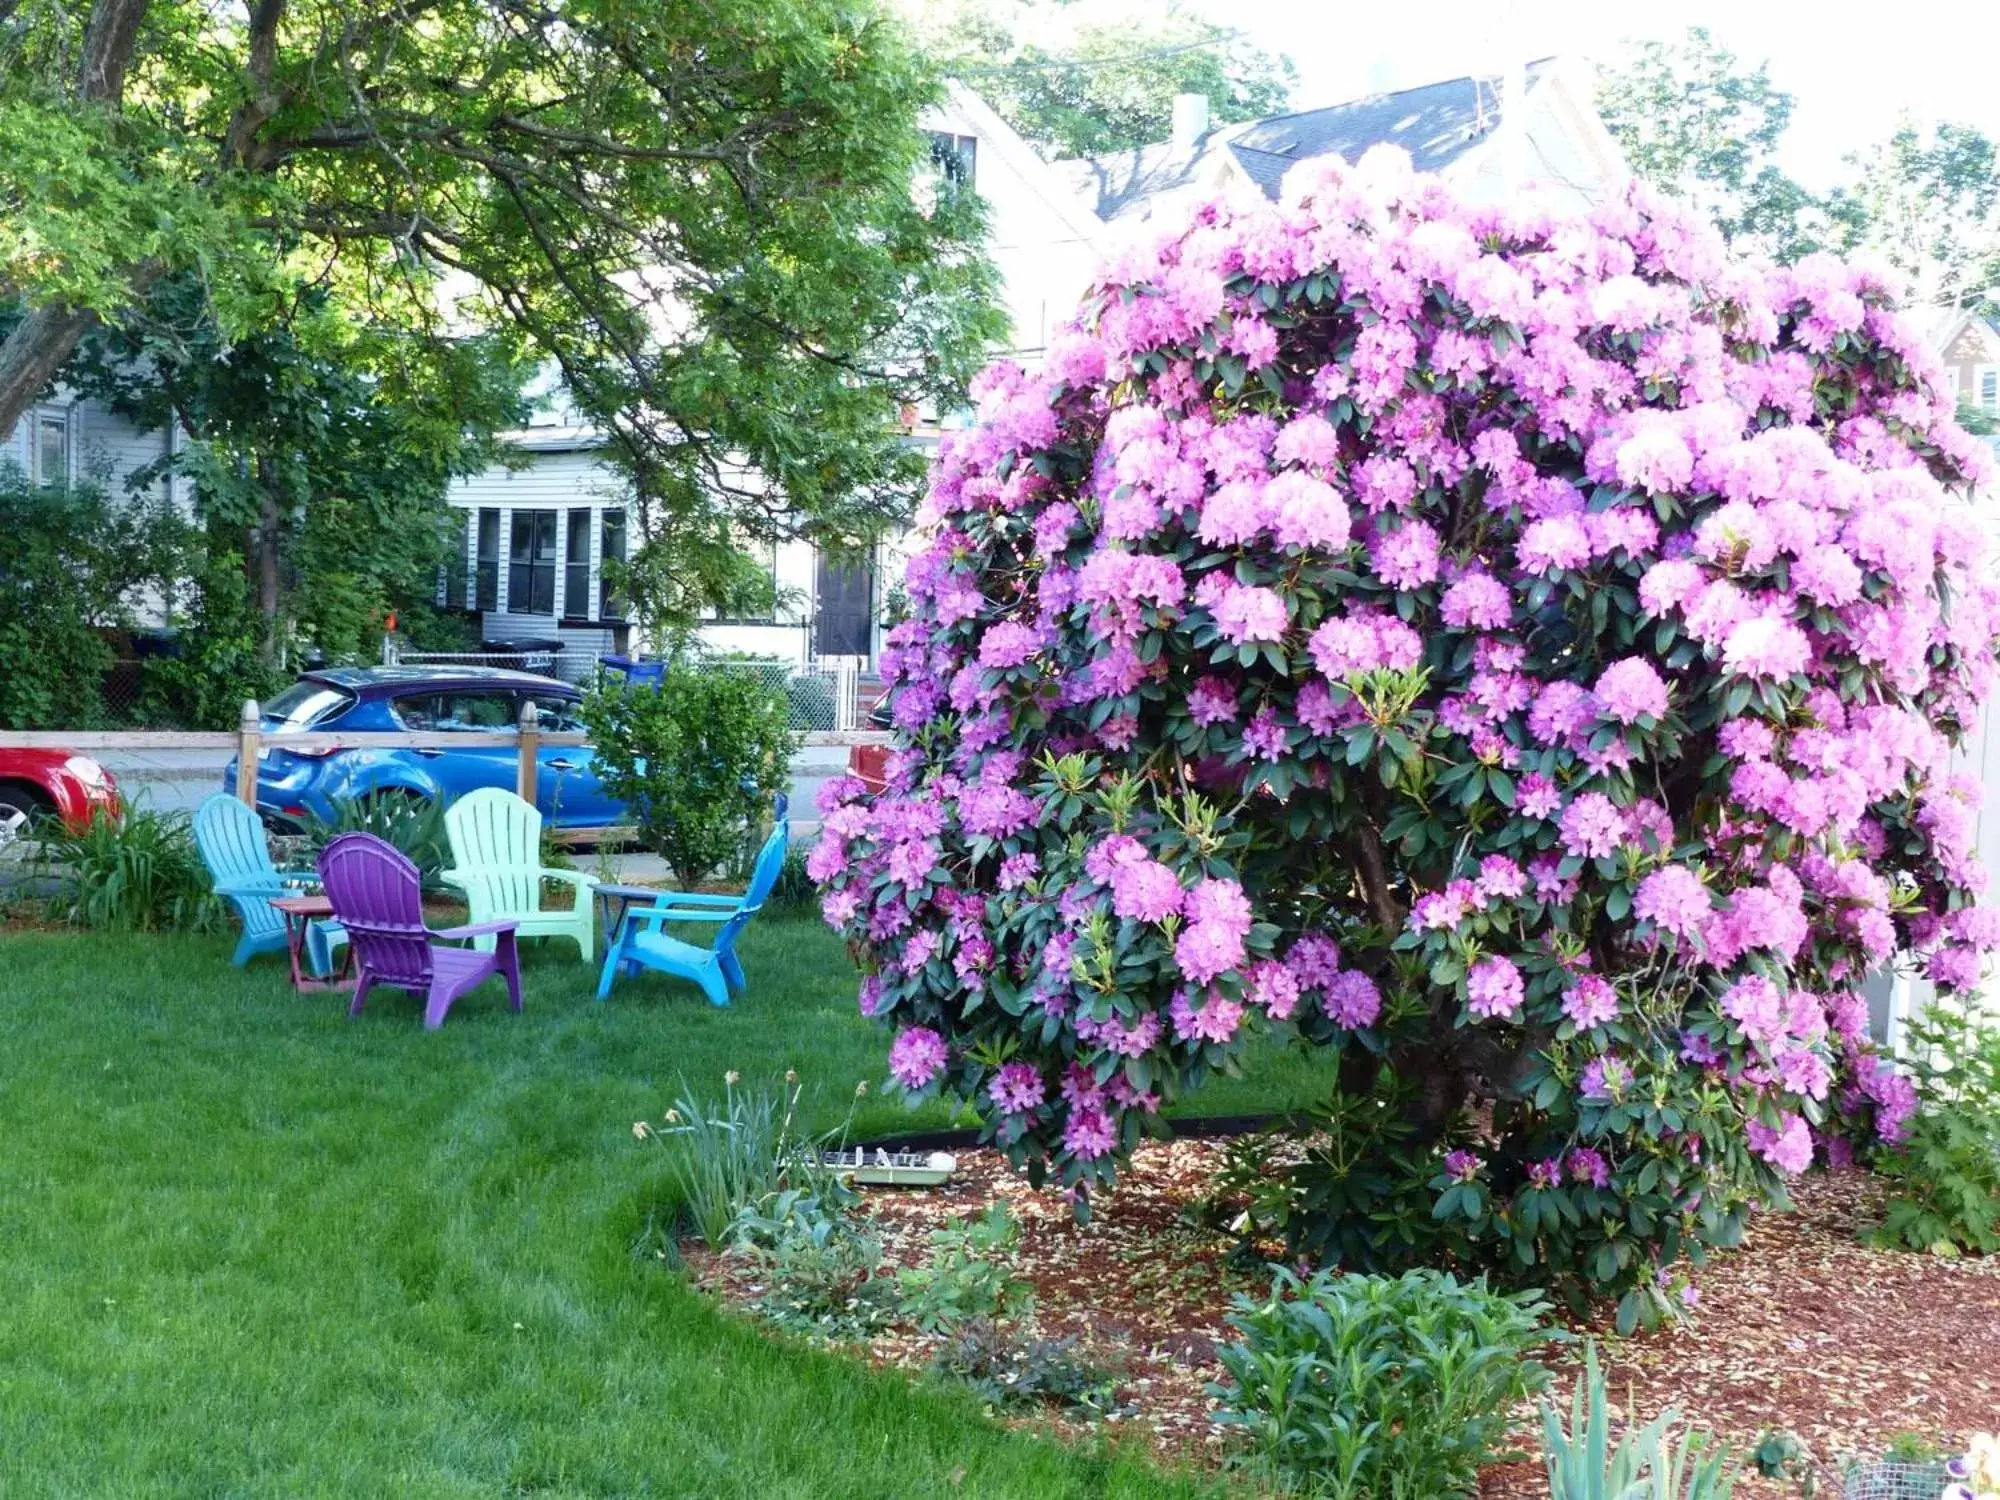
64, 440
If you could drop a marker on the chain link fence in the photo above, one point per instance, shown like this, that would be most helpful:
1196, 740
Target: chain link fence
822, 695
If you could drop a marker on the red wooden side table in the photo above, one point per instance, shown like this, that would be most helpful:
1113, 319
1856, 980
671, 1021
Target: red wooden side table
300, 912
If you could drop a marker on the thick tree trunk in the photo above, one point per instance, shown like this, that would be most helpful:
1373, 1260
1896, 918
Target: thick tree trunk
36, 351
34, 354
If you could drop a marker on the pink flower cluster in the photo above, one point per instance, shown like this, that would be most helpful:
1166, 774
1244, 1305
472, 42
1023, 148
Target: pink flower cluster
1388, 615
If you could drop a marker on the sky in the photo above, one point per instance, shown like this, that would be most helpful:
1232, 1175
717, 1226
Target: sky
1853, 69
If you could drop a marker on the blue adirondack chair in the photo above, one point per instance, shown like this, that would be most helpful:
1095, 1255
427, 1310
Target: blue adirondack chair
639, 943
231, 840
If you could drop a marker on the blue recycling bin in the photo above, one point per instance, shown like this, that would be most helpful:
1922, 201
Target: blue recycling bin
637, 673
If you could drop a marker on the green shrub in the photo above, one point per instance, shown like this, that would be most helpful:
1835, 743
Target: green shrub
219, 658
1944, 1171
1392, 1388
73, 565
795, 890
139, 872
414, 825
1647, 1464
697, 760
1013, 1371
968, 1274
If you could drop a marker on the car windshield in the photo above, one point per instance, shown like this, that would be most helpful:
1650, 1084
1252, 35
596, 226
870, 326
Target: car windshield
305, 703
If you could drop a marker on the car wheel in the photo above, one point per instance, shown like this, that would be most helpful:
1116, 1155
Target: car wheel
19, 808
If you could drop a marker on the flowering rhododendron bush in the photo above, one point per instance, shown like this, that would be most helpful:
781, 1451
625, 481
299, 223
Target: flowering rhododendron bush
1523, 654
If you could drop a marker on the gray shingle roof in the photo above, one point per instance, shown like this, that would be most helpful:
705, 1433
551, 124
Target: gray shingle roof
1436, 124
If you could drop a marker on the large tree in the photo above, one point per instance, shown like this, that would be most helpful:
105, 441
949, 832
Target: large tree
1701, 125
1930, 206
1091, 76
702, 215
319, 450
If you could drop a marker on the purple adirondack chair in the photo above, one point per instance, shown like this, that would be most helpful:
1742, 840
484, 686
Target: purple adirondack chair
378, 897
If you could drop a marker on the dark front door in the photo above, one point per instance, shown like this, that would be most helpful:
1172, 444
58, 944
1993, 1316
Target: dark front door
845, 625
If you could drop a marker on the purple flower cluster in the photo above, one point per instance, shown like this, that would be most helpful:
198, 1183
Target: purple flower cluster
1559, 642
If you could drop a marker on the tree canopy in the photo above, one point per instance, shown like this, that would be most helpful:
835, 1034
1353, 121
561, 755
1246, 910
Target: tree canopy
1697, 122
704, 217
1086, 78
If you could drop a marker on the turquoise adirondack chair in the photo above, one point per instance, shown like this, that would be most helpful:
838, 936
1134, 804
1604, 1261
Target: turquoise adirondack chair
496, 856
639, 943
231, 840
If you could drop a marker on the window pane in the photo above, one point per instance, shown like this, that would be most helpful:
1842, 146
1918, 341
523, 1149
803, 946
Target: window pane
576, 568
305, 703
531, 563
609, 606
483, 713
488, 570
52, 455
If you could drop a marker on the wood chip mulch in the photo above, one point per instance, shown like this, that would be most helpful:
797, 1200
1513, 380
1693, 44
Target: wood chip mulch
1801, 1329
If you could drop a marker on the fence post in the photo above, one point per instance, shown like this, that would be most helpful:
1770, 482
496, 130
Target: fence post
247, 737
531, 740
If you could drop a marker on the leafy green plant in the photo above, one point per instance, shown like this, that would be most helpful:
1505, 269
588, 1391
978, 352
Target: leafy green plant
414, 825
137, 872
219, 658
1393, 1388
821, 1269
1944, 1169
1648, 1463
968, 1274
1011, 1370
697, 759
725, 1156
75, 562
795, 890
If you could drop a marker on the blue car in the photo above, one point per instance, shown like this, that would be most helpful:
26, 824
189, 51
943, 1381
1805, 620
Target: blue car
294, 787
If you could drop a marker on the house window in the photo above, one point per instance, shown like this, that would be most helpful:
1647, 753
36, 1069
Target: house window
531, 564
1989, 388
576, 567
487, 570
51, 454
956, 158
609, 605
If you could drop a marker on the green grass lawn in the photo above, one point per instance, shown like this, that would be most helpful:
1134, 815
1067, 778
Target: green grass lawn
249, 1248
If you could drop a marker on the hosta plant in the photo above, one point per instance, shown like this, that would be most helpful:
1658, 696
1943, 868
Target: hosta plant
1521, 653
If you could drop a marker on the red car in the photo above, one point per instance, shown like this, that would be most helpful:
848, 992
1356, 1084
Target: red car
871, 762
37, 783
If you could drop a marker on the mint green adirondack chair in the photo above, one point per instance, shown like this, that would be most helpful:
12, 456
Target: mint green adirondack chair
231, 840
496, 856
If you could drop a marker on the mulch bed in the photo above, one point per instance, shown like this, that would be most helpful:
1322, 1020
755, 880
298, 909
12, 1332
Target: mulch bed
1802, 1329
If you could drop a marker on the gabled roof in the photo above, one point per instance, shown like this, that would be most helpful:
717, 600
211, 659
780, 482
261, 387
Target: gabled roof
1436, 124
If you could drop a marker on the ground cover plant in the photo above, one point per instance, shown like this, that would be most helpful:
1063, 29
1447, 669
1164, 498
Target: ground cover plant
1520, 655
